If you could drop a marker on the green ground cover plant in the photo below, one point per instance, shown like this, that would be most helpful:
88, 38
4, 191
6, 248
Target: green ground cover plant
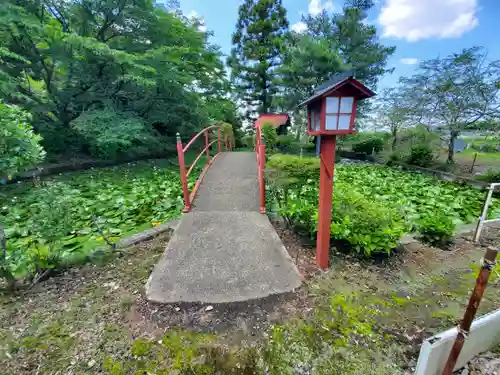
374, 206
437, 230
60, 221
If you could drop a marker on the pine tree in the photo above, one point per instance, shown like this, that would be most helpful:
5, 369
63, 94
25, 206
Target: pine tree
258, 46
356, 42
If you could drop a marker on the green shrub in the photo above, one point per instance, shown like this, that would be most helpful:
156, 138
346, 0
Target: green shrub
369, 226
491, 175
410, 138
285, 140
110, 134
437, 230
52, 219
227, 132
288, 144
248, 141
292, 169
310, 146
367, 146
20, 147
484, 147
270, 137
421, 155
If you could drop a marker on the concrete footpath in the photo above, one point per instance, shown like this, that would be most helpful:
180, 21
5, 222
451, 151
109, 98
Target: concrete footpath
224, 250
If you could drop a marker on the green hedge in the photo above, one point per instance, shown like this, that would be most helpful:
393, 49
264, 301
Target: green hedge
367, 146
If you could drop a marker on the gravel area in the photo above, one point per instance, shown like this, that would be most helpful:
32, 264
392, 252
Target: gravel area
484, 364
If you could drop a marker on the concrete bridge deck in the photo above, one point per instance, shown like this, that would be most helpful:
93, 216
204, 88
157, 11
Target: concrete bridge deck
224, 250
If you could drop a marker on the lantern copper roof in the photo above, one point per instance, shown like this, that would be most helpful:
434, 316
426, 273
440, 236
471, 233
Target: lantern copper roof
335, 83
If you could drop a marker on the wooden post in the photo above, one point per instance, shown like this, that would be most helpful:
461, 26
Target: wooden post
470, 312
218, 141
327, 166
182, 166
484, 214
206, 146
473, 163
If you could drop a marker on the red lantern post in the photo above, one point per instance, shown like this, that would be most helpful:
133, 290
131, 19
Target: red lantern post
327, 167
331, 111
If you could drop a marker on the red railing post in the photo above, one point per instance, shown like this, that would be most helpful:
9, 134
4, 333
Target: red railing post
261, 166
257, 140
182, 166
206, 146
218, 140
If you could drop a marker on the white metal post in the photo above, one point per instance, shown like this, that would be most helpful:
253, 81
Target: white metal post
484, 214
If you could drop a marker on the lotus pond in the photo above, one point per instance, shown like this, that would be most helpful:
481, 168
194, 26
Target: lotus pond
374, 206
416, 194
71, 214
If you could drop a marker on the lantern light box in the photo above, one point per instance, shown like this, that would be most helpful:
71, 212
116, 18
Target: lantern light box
332, 108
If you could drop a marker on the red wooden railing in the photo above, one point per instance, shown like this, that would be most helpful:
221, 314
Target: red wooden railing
260, 149
181, 150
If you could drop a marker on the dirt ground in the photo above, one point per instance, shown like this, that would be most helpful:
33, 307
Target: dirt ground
428, 287
86, 315
70, 324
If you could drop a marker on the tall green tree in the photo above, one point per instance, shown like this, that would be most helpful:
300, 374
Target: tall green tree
126, 58
455, 93
258, 45
307, 63
331, 44
394, 112
355, 41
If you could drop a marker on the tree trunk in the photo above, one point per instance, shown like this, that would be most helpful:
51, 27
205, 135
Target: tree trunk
265, 104
451, 145
298, 122
394, 138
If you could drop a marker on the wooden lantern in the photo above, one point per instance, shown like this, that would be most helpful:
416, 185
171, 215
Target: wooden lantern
332, 109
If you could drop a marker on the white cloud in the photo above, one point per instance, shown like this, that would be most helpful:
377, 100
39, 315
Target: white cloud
299, 27
420, 19
195, 17
409, 60
317, 6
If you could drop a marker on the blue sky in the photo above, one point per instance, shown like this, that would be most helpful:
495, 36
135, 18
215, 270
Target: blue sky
420, 29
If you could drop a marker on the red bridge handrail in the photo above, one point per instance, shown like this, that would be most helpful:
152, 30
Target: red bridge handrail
260, 149
199, 156
200, 133
189, 196
181, 150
